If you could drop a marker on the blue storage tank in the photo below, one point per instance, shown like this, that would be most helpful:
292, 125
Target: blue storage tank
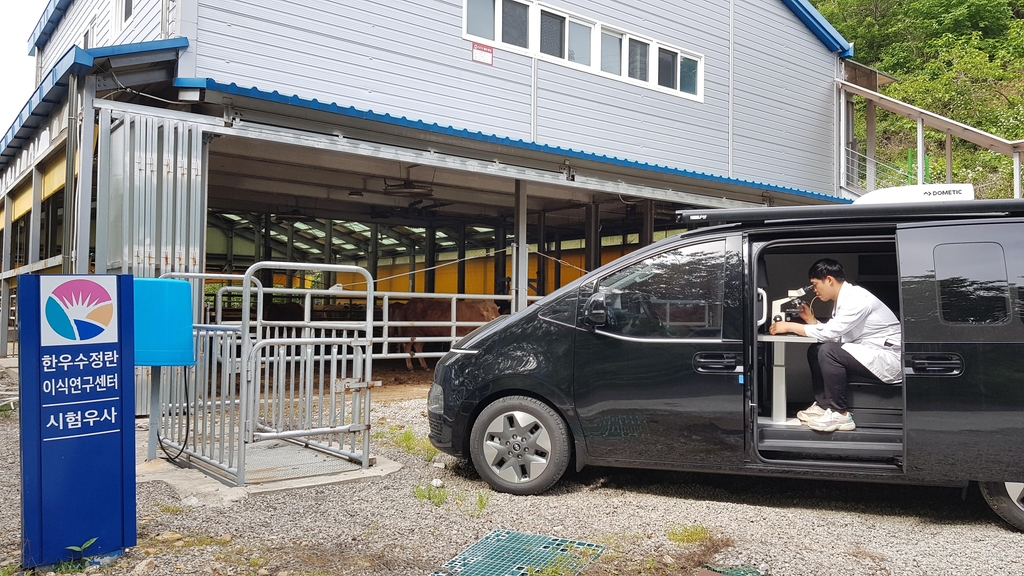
163, 323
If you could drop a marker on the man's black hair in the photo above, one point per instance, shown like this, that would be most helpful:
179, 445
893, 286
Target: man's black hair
826, 267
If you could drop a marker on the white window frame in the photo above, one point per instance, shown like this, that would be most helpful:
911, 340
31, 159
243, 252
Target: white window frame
118, 22
596, 30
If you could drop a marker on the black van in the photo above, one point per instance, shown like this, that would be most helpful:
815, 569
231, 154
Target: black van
662, 358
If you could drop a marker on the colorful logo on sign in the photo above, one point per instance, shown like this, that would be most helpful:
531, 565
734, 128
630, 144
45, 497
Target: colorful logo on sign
79, 310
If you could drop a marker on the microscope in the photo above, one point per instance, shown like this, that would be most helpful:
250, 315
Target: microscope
788, 309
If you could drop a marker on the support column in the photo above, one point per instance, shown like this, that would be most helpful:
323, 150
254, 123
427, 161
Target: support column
1016, 174
500, 272
461, 241
35, 216
920, 150
329, 278
542, 250
647, 231
872, 141
592, 246
558, 263
430, 252
373, 256
949, 158
229, 268
412, 266
290, 256
70, 153
5, 285
841, 180
521, 266
83, 227
268, 252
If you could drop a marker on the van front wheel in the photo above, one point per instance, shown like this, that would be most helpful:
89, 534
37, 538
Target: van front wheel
519, 445
1007, 499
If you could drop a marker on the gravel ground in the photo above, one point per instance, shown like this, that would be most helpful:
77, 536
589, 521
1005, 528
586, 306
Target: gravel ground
380, 527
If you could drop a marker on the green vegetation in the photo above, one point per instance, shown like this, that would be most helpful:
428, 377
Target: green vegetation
435, 496
407, 440
963, 59
687, 534
10, 570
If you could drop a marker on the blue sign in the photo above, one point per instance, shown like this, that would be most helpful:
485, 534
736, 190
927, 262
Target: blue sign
77, 387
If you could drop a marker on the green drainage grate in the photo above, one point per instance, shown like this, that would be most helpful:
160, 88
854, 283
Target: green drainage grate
508, 553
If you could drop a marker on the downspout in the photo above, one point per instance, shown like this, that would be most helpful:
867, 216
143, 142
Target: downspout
165, 15
70, 153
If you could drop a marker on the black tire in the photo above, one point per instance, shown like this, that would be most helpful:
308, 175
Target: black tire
1006, 499
533, 440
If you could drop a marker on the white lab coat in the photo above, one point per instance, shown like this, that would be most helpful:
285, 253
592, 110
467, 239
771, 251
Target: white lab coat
868, 330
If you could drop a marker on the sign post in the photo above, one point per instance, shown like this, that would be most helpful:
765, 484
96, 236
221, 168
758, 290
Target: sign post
77, 416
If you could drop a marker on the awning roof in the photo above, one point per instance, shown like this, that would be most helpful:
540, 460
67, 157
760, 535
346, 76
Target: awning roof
941, 123
54, 87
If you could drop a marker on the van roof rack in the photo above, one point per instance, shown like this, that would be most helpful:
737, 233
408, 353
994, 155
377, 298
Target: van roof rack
909, 210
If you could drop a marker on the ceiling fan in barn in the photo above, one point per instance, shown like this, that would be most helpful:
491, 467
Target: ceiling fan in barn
407, 186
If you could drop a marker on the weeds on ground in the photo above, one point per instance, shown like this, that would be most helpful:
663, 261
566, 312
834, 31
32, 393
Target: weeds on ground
567, 563
695, 547
476, 509
10, 570
687, 534
6, 412
172, 509
432, 494
192, 541
407, 440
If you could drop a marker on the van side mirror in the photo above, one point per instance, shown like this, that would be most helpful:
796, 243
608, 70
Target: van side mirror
594, 312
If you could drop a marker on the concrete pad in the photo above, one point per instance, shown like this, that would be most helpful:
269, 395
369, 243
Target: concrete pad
197, 488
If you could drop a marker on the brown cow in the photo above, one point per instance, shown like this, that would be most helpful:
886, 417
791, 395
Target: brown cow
436, 311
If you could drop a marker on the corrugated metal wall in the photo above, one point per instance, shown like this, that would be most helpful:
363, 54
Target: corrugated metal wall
784, 100
402, 57
144, 25
408, 58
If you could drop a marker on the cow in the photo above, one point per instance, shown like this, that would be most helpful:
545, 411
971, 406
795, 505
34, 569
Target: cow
436, 311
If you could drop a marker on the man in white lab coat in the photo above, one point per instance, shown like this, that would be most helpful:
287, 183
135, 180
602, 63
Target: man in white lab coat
862, 339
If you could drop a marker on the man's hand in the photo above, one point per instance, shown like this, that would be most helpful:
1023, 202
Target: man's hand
787, 328
807, 315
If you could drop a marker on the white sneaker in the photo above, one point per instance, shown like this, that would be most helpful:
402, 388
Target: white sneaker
812, 412
831, 421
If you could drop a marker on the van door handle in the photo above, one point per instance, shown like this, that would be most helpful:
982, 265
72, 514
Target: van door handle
945, 364
715, 362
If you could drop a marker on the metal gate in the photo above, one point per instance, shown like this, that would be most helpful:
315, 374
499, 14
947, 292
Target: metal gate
262, 378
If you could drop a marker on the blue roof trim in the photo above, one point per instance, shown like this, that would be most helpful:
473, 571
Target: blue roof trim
179, 43
352, 112
53, 88
48, 22
820, 27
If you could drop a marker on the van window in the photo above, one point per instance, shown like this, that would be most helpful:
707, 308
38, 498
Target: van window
675, 294
973, 287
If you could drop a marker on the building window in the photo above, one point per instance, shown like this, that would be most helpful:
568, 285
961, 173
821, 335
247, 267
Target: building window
480, 18
538, 30
579, 43
128, 9
666, 68
638, 59
611, 53
122, 11
515, 23
552, 34
688, 71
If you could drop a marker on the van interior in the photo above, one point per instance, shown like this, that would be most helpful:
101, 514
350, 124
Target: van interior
781, 265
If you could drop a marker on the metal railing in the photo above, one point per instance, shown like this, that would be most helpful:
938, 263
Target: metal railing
860, 167
257, 379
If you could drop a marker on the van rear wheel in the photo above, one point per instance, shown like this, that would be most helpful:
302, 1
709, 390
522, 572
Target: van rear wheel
519, 445
1006, 499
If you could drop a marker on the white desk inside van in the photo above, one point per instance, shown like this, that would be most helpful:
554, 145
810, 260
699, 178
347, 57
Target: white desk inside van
779, 371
